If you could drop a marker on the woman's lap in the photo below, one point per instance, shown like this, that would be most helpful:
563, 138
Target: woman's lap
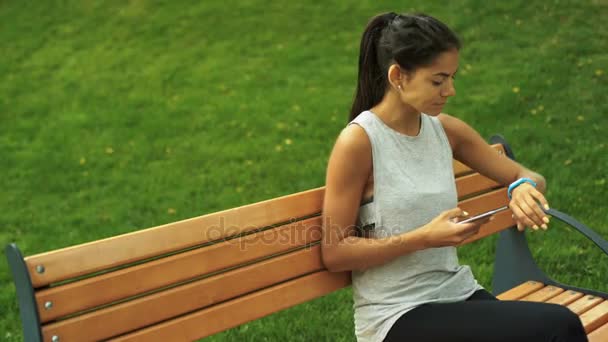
484, 318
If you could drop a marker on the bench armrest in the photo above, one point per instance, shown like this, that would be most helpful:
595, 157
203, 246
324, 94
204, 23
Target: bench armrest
581, 228
514, 263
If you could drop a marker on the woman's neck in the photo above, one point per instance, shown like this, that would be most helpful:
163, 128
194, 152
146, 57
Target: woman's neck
398, 116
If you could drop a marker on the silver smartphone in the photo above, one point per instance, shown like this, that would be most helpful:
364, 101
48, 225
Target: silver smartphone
484, 215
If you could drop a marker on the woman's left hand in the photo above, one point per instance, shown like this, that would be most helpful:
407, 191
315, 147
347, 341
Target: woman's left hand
526, 209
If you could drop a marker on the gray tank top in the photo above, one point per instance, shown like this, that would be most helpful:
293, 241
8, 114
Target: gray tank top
413, 183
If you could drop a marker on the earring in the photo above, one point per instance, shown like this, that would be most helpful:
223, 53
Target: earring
399, 86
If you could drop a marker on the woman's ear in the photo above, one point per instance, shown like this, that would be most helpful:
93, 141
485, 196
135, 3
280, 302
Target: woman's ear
396, 77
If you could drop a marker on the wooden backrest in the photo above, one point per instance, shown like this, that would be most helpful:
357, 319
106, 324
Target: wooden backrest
194, 278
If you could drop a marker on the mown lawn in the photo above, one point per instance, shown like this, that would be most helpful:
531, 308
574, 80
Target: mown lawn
122, 115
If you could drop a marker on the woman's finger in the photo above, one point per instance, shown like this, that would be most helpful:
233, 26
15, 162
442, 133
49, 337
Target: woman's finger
520, 226
473, 230
540, 198
534, 212
528, 214
520, 216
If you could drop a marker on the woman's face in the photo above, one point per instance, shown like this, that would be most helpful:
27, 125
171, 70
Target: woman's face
428, 88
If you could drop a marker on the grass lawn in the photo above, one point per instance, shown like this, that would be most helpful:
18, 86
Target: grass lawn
122, 115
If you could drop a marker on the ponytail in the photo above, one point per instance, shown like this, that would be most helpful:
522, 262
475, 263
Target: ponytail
371, 81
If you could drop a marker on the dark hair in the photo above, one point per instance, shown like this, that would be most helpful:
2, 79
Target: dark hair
410, 40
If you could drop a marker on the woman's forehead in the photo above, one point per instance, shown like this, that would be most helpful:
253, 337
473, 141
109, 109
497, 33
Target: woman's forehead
446, 63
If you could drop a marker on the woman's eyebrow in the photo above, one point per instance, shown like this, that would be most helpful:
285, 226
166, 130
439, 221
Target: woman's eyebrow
444, 74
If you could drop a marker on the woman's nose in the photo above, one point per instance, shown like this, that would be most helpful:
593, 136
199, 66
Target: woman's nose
450, 90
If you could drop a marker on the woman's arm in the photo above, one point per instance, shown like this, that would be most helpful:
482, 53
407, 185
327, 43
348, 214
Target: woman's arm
469, 148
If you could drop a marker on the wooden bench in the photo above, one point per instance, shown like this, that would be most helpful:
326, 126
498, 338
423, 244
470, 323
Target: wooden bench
194, 278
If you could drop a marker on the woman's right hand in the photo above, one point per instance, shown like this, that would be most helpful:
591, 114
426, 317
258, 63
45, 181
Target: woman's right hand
444, 231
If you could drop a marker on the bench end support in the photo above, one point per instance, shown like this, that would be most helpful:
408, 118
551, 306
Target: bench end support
514, 263
30, 319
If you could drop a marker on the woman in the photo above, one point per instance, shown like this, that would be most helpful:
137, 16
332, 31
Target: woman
396, 156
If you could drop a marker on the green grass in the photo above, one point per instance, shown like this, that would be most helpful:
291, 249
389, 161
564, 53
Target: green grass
122, 115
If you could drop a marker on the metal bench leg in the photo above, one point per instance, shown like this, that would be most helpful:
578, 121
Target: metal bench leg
30, 320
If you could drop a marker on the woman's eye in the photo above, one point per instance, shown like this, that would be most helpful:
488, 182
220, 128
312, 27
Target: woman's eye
436, 83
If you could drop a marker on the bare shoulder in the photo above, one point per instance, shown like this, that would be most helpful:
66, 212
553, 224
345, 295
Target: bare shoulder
353, 138
352, 153
450, 122
453, 129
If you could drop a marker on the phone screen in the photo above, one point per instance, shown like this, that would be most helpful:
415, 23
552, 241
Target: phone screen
484, 215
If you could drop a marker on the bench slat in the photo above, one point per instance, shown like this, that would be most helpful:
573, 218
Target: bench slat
596, 317
485, 202
490, 200
473, 183
565, 298
102, 254
245, 309
584, 304
599, 335
543, 294
521, 291
501, 221
462, 169
141, 312
113, 286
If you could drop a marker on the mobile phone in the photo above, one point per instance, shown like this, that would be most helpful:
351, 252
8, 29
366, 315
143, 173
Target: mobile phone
484, 215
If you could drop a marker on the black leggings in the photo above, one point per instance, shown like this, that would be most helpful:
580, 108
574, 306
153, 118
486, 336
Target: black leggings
482, 317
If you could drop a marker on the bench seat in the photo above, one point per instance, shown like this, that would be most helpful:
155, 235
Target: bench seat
592, 310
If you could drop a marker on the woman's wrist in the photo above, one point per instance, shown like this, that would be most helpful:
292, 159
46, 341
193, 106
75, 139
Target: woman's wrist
414, 240
541, 184
517, 183
423, 236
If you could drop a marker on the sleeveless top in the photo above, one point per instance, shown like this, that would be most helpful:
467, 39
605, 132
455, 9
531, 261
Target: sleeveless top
413, 183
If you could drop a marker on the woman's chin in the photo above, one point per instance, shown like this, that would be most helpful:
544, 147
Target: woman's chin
434, 111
